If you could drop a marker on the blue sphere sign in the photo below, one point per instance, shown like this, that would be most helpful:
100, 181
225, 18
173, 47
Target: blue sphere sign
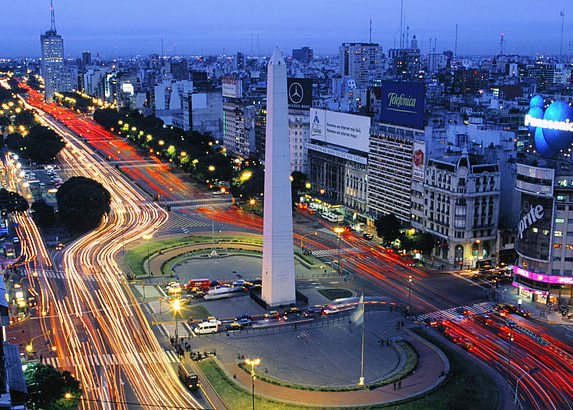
553, 129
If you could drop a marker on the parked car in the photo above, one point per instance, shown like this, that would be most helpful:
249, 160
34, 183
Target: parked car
233, 327
314, 311
367, 235
244, 320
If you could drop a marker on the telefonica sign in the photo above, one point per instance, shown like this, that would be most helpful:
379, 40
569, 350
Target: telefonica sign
552, 127
402, 103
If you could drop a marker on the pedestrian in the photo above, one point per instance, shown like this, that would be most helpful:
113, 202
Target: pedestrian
41, 357
400, 384
394, 385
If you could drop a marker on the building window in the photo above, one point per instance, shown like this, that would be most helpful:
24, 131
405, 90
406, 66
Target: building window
557, 246
568, 259
555, 271
556, 258
568, 246
567, 272
558, 233
559, 220
561, 197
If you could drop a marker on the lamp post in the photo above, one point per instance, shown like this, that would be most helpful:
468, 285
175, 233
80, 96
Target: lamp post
338, 231
409, 292
176, 307
147, 237
510, 338
253, 363
530, 372
304, 236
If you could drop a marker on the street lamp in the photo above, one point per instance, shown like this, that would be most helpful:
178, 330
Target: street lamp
409, 292
304, 236
339, 230
147, 237
530, 372
510, 338
253, 363
176, 307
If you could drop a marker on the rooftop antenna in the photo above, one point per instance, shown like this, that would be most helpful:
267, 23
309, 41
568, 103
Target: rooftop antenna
501, 44
371, 31
53, 25
401, 22
407, 37
562, 14
456, 43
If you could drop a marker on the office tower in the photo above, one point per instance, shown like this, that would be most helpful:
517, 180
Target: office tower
52, 60
86, 58
360, 61
304, 54
278, 254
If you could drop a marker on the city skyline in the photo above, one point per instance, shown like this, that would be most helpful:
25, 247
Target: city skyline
125, 29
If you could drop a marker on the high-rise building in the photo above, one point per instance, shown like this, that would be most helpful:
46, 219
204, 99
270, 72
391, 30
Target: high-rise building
52, 60
304, 54
361, 61
86, 58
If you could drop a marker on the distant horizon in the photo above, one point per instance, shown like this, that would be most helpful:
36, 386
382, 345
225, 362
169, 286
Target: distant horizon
129, 28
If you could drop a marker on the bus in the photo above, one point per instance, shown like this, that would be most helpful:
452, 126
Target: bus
190, 380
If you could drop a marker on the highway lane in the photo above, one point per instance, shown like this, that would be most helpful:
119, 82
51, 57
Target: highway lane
100, 332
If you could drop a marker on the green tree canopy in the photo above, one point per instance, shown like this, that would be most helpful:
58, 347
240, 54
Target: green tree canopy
47, 388
298, 184
388, 227
82, 202
43, 214
42, 144
12, 202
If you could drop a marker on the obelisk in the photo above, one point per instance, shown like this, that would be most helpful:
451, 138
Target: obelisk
278, 253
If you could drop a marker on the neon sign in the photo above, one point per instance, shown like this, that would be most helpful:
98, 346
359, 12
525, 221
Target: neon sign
552, 127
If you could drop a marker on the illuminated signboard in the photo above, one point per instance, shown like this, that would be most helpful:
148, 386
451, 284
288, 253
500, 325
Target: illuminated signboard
299, 93
552, 128
346, 130
419, 161
534, 227
563, 280
402, 103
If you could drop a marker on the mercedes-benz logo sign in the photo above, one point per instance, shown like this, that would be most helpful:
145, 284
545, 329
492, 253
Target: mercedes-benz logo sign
296, 93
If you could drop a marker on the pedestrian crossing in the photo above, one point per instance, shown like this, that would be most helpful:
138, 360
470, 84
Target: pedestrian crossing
126, 359
185, 224
330, 252
453, 314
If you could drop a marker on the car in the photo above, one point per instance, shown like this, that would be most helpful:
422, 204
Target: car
244, 320
233, 327
59, 247
523, 313
174, 288
367, 235
272, 315
311, 211
316, 310
212, 319
197, 294
293, 311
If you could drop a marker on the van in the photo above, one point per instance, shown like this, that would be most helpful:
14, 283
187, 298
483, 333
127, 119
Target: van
205, 328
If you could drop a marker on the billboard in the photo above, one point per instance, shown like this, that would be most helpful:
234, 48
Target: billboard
299, 93
534, 227
346, 130
419, 161
403, 103
551, 126
232, 87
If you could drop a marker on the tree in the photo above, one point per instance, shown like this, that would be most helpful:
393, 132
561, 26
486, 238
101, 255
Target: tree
12, 202
388, 227
425, 242
298, 184
15, 142
82, 202
42, 144
50, 389
43, 214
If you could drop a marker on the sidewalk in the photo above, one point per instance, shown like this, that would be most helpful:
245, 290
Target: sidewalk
429, 373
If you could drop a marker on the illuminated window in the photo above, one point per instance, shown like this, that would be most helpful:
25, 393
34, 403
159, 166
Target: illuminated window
557, 233
559, 220
557, 246
535, 230
561, 197
568, 246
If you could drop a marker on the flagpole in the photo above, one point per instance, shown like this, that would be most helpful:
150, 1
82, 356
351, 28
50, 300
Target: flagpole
361, 381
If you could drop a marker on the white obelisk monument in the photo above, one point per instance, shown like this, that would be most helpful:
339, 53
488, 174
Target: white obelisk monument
278, 253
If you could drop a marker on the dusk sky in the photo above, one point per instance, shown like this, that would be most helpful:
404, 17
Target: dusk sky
128, 27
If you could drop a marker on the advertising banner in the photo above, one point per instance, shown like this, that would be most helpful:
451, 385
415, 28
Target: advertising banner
232, 87
346, 130
403, 103
299, 93
534, 228
419, 161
